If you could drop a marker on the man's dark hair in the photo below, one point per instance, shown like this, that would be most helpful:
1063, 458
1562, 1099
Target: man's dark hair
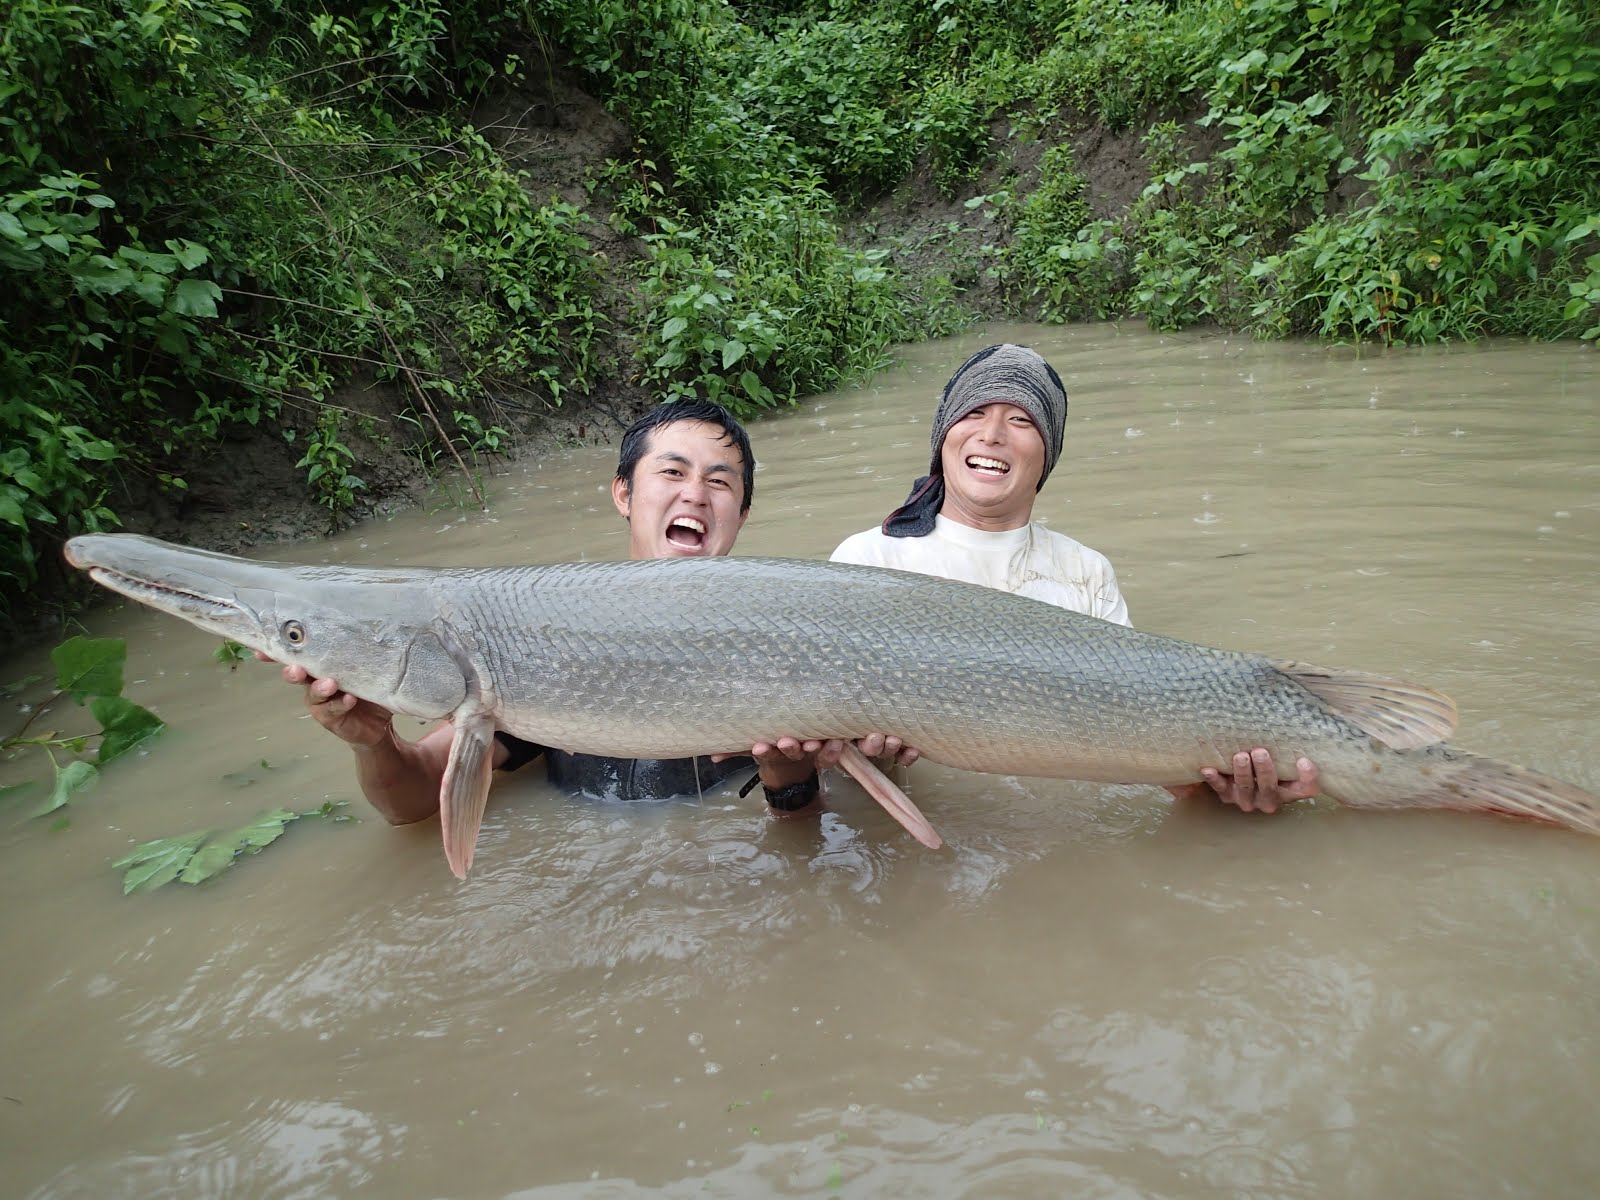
637, 438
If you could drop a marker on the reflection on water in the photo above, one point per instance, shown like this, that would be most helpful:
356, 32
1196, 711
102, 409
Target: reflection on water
1087, 992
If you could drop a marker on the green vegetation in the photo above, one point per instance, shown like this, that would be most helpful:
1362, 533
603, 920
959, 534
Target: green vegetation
88, 672
196, 857
1390, 169
214, 216
758, 303
217, 217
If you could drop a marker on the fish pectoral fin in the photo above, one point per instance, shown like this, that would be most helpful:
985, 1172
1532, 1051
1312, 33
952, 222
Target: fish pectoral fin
464, 794
882, 789
1404, 716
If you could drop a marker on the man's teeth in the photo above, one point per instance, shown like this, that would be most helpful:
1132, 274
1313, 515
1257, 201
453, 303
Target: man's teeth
988, 464
688, 523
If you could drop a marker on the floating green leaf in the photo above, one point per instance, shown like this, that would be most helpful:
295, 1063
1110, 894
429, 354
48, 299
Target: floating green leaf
73, 777
125, 724
197, 857
230, 652
89, 666
158, 862
221, 849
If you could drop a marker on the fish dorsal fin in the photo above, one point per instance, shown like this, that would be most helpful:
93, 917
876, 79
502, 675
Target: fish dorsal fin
1401, 715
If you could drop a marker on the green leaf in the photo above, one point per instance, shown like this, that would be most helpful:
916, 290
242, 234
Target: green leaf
673, 327
754, 388
732, 351
154, 863
101, 275
149, 286
219, 852
196, 298
150, 260
197, 857
73, 777
11, 227
230, 652
96, 451
189, 254
89, 666
126, 725
172, 333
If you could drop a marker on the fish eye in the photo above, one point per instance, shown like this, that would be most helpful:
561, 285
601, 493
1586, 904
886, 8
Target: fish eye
294, 633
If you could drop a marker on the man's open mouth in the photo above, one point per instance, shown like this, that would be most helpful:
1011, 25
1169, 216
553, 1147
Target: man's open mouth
686, 532
988, 466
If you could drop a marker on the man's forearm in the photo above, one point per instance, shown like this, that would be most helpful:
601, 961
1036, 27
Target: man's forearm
399, 779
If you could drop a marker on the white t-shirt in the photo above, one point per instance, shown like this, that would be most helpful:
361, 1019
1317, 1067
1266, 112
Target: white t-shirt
1032, 561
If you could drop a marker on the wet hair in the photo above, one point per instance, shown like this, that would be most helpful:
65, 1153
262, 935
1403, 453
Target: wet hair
636, 439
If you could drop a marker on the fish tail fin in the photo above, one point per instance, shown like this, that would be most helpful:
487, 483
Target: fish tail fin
1455, 779
464, 793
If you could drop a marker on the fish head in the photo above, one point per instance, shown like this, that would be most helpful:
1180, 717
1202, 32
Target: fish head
371, 630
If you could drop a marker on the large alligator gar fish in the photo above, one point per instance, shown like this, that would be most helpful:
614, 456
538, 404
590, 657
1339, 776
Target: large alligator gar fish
672, 658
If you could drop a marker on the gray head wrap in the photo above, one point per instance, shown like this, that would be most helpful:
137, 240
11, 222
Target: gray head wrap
996, 374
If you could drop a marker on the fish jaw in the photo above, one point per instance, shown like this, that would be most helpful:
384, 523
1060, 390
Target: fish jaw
177, 581
377, 632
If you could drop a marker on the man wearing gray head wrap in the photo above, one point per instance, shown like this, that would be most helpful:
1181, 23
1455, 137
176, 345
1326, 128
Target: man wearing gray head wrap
1014, 374
996, 437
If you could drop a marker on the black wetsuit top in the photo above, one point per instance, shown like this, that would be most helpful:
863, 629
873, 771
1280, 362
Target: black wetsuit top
623, 778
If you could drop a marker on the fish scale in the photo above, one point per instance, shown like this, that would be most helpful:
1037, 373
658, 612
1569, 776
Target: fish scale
976, 679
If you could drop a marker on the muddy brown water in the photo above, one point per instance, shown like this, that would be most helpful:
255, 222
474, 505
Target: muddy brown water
1088, 992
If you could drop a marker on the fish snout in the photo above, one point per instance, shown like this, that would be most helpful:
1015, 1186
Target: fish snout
75, 552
